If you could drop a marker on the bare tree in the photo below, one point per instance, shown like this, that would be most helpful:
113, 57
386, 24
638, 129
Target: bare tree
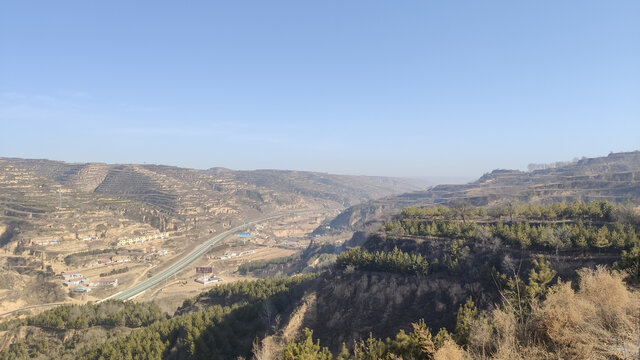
268, 312
461, 208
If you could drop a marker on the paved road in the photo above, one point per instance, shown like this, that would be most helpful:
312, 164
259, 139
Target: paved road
141, 287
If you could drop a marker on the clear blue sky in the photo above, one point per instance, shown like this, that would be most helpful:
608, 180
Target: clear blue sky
445, 90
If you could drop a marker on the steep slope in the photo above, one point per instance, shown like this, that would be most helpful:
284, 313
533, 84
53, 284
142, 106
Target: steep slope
133, 183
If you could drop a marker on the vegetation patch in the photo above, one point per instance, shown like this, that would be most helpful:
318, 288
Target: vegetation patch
262, 264
563, 228
393, 261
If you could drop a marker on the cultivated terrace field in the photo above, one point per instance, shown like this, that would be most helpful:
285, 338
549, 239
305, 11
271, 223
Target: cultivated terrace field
126, 222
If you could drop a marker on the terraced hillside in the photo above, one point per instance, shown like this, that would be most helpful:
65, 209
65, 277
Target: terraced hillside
188, 192
615, 178
348, 190
42, 220
54, 211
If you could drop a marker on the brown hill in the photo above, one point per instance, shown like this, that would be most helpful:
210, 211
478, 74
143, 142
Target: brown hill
50, 210
615, 177
189, 192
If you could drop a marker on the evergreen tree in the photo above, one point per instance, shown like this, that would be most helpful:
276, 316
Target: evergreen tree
630, 263
466, 313
539, 278
344, 353
306, 349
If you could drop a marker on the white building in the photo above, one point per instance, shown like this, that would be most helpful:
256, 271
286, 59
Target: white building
206, 279
104, 282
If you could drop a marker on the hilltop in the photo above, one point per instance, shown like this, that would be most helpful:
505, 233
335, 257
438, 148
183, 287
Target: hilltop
615, 177
184, 191
345, 189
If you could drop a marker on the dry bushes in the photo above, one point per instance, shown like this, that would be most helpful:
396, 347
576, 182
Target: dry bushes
450, 351
565, 322
598, 321
617, 307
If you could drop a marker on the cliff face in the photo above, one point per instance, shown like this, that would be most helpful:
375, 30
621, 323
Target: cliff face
352, 304
615, 178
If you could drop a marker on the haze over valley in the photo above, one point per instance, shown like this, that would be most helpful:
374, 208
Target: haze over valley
294, 180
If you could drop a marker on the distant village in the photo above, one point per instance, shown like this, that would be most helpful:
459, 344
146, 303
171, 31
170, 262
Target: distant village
142, 239
115, 259
123, 242
233, 254
79, 284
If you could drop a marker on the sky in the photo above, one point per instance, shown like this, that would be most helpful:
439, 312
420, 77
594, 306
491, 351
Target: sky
442, 90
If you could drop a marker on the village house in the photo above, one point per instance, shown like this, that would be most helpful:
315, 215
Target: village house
71, 275
104, 282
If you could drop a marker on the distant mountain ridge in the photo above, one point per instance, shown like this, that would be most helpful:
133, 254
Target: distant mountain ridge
44, 200
347, 189
615, 177
185, 192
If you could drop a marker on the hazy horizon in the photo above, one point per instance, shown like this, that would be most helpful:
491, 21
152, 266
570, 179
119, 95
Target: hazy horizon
431, 180
426, 90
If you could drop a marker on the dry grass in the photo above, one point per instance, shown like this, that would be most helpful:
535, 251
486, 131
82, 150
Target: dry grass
616, 306
598, 321
270, 348
267, 349
565, 321
450, 351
